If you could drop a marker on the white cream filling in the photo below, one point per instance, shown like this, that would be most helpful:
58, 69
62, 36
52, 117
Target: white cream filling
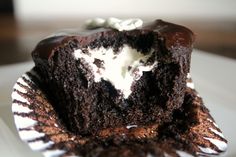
119, 68
114, 23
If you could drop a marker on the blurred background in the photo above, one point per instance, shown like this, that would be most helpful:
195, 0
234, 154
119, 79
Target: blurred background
23, 23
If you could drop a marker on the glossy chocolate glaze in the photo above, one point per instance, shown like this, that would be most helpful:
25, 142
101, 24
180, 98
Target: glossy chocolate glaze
174, 36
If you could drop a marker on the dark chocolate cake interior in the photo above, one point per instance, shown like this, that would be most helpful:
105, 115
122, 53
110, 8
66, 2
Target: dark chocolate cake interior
187, 134
114, 93
86, 106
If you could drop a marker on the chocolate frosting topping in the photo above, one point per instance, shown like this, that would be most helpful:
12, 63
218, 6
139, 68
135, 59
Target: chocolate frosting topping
173, 35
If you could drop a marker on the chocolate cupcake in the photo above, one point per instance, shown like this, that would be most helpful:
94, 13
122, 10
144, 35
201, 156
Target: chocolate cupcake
118, 89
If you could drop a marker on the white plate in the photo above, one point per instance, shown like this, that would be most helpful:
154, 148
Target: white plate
214, 78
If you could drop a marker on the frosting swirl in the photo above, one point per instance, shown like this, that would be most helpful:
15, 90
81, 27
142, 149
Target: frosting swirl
114, 23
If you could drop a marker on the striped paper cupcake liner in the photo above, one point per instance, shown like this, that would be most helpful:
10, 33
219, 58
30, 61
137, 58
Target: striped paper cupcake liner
39, 126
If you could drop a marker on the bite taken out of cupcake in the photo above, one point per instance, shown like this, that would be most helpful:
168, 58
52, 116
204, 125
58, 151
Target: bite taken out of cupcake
118, 88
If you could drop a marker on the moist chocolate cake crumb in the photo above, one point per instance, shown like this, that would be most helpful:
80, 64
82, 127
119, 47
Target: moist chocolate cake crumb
86, 106
184, 134
115, 92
